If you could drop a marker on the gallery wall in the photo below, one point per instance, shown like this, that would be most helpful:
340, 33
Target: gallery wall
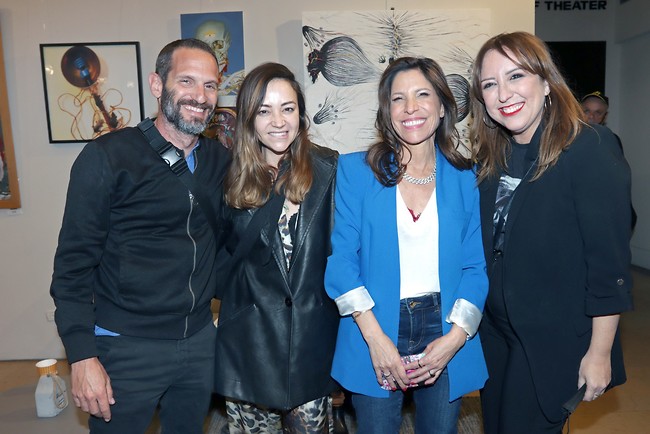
633, 38
626, 30
28, 236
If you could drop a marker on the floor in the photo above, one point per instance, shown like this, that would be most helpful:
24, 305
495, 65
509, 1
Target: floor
624, 410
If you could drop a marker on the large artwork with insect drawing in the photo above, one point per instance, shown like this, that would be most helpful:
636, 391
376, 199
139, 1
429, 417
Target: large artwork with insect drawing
346, 52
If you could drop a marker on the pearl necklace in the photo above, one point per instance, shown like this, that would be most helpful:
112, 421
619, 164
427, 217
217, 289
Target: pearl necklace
420, 181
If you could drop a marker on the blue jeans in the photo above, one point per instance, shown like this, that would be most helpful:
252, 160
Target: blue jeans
420, 323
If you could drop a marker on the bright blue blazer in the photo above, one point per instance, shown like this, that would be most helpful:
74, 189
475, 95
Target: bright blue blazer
365, 252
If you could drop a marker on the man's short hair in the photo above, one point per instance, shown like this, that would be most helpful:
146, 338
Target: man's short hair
164, 60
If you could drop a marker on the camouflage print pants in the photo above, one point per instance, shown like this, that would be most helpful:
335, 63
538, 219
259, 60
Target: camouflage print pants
309, 418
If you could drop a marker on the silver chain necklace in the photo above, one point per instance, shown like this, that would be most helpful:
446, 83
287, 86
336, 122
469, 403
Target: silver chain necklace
420, 181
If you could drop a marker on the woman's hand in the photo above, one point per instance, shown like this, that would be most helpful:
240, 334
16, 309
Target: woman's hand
596, 365
387, 362
596, 371
385, 358
437, 355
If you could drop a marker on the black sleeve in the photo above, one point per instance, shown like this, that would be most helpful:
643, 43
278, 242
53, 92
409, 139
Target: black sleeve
601, 187
81, 244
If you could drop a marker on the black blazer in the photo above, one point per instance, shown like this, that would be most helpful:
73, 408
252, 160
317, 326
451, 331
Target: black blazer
277, 329
566, 258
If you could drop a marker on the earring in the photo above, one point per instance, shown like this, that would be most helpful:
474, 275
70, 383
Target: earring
548, 102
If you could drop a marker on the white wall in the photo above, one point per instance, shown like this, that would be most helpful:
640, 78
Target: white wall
633, 19
633, 37
28, 239
626, 28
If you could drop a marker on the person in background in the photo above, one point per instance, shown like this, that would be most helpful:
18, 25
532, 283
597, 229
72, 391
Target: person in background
134, 271
277, 326
595, 105
555, 200
407, 270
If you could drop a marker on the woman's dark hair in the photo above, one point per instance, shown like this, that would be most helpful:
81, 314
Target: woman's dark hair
385, 156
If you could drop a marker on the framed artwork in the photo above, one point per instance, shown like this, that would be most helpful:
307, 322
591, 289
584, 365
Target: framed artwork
345, 53
91, 89
224, 33
9, 192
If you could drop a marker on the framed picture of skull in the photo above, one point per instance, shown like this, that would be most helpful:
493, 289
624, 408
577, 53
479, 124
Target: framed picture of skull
91, 88
224, 32
345, 53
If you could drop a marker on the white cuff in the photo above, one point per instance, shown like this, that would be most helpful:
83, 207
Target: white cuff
355, 300
466, 316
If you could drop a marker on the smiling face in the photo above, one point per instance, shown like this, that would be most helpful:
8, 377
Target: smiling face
415, 109
277, 122
188, 96
513, 97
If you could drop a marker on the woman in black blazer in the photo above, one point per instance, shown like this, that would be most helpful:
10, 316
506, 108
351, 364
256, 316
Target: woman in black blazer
277, 325
555, 201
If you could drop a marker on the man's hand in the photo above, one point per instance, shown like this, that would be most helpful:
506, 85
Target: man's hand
91, 388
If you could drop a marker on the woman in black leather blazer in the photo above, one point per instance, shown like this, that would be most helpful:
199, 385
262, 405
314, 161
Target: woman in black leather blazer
555, 201
277, 326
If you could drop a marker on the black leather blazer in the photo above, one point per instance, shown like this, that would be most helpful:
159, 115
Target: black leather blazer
277, 328
566, 259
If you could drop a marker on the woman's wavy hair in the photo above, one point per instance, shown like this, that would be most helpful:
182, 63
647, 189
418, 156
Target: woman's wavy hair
385, 156
250, 179
562, 118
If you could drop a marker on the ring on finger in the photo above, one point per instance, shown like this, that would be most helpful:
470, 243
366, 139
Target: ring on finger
431, 372
419, 364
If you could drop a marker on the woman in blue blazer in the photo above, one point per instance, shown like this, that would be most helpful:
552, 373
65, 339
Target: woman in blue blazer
407, 270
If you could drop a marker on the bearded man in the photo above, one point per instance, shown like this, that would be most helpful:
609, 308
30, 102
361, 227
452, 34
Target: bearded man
134, 271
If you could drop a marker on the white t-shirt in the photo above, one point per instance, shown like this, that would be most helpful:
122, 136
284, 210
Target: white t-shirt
418, 249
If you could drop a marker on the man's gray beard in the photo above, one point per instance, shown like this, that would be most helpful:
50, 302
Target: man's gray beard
172, 113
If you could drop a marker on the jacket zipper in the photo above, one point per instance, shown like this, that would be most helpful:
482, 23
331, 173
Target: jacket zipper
189, 280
